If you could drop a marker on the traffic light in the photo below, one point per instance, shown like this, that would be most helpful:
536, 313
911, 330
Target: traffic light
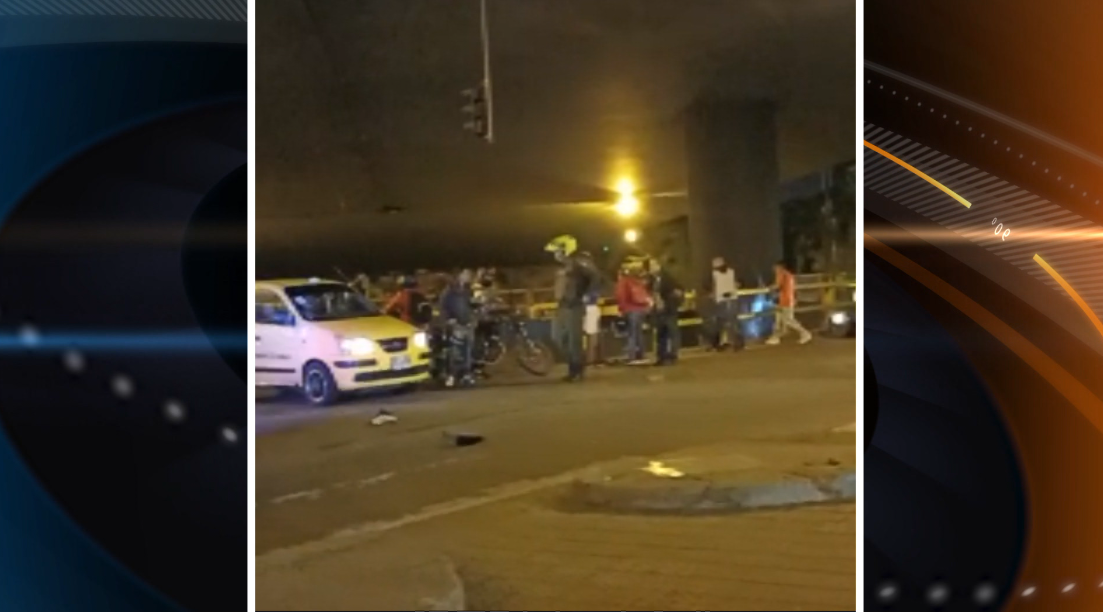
477, 111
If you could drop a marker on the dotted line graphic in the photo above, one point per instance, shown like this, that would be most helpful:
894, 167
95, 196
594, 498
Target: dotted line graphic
995, 142
984, 594
122, 386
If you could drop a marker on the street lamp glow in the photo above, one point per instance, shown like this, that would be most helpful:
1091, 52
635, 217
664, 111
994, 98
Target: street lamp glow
625, 187
631, 236
627, 206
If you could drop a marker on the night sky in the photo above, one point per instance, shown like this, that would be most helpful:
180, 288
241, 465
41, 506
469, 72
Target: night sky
358, 108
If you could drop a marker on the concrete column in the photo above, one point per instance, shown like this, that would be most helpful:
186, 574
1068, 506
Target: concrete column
734, 189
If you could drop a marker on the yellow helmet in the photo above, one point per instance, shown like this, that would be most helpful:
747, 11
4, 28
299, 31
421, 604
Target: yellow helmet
565, 244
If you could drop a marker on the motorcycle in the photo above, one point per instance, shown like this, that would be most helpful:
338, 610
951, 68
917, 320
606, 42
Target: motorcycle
498, 333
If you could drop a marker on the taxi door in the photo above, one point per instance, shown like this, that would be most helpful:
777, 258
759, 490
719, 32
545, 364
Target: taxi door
275, 342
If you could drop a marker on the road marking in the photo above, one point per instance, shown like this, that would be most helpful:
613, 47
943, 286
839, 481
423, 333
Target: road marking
374, 480
311, 495
852, 428
315, 494
916, 171
345, 537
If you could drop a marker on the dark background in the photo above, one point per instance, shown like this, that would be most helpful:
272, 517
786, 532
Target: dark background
359, 108
987, 412
116, 126
1037, 62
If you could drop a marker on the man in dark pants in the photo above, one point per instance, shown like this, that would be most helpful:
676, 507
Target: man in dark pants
722, 286
576, 278
459, 319
668, 299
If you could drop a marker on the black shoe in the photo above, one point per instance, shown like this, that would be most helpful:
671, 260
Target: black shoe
573, 378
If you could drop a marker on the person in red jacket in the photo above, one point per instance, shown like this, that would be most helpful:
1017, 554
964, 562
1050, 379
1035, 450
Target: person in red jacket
634, 302
410, 304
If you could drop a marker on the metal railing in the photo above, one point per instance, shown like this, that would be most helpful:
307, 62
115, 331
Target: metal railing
815, 292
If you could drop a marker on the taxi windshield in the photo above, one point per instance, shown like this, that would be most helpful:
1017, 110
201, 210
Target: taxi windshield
330, 302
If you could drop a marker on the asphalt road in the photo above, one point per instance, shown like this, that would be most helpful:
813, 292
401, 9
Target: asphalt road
337, 496
325, 472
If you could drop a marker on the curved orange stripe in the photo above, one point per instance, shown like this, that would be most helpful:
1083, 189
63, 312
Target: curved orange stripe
1072, 292
919, 173
1066, 384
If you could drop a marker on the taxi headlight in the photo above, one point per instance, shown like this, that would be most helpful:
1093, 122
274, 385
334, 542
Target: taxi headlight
357, 346
840, 318
421, 340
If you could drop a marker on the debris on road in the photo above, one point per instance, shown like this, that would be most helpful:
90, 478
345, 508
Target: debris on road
384, 418
463, 439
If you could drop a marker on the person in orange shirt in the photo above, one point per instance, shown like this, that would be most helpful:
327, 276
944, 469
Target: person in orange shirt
410, 304
786, 306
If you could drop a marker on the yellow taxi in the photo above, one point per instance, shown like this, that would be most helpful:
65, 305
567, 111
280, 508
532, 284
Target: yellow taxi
325, 339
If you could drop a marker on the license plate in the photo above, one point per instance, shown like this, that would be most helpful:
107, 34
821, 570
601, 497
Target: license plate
401, 362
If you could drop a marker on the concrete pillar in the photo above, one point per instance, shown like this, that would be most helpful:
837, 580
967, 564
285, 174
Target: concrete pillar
734, 186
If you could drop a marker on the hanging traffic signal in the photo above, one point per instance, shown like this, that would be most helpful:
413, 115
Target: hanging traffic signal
477, 111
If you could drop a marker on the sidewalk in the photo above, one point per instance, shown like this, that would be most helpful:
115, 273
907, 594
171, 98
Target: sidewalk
375, 575
525, 558
536, 552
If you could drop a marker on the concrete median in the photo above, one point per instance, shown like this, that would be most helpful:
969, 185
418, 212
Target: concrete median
742, 477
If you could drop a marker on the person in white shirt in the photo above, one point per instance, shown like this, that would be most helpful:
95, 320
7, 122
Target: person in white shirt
723, 287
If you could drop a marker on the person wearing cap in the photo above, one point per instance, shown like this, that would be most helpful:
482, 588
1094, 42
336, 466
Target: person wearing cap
723, 287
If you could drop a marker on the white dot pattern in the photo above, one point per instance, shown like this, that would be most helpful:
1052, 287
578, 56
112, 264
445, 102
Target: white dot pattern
919, 104
121, 385
73, 361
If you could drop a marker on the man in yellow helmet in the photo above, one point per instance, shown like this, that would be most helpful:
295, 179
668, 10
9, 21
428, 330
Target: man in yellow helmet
576, 279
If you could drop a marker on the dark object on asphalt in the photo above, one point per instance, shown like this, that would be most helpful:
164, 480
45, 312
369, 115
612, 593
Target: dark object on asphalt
463, 439
833, 462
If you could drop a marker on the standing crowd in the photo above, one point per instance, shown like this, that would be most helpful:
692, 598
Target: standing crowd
646, 295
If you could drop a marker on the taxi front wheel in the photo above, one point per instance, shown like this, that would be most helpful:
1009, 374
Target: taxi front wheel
318, 385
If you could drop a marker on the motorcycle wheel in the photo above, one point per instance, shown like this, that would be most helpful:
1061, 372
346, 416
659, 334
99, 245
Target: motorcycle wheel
535, 357
493, 352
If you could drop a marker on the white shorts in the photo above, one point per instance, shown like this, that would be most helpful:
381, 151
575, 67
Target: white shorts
592, 323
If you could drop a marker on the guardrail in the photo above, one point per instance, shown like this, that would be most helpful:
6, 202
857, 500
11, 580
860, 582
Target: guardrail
813, 295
